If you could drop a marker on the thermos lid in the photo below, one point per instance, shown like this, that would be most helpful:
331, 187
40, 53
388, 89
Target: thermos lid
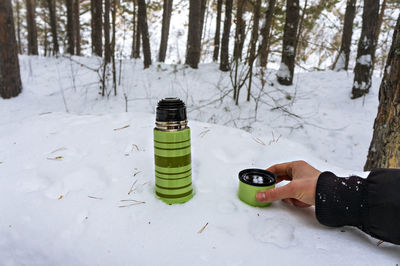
257, 177
171, 110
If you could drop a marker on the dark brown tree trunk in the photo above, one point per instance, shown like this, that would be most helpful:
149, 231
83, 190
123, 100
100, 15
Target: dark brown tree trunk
165, 30
114, 13
77, 27
240, 31
224, 64
253, 44
194, 34
138, 38
19, 27
96, 8
366, 50
202, 16
380, 20
263, 49
10, 80
217, 31
384, 151
144, 32
286, 70
31, 24
107, 44
70, 27
342, 61
53, 25
134, 30
45, 43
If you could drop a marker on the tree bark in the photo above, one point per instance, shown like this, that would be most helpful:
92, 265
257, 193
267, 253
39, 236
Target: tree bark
70, 27
114, 14
165, 30
53, 26
133, 30
384, 151
380, 19
145, 33
19, 27
194, 34
31, 24
10, 80
253, 44
107, 45
138, 37
263, 49
202, 17
217, 31
224, 64
342, 62
77, 27
366, 50
240, 31
286, 70
96, 8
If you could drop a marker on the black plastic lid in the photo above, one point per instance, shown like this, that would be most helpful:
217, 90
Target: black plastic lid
257, 177
171, 110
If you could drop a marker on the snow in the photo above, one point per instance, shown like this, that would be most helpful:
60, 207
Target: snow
364, 60
340, 64
283, 71
64, 176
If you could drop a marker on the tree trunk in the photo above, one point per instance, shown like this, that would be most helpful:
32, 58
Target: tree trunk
133, 51
217, 31
96, 8
224, 64
114, 12
240, 31
342, 61
253, 44
144, 32
10, 80
380, 20
286, 70
138, 36
194, 34
384, 151
19, 27
53, 25
265, 32
31, 24
202, 16
77, 27
366, 50
165, 29
107, 45
70, 27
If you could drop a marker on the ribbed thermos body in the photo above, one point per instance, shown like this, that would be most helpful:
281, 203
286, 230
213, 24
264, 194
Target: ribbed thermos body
172, 153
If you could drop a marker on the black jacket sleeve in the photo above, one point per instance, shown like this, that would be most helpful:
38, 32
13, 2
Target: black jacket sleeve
371, 204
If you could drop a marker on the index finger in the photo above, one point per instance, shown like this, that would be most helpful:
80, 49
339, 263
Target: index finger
283, 171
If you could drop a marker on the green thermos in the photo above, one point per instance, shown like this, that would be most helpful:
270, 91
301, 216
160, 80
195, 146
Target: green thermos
172, 154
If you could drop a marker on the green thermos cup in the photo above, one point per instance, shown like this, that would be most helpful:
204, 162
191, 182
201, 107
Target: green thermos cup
172, 152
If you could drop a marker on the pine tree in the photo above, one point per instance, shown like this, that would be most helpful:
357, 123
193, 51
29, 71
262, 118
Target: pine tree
224, 64
167, 9
366, 50
253, 44
217, 31
384, 151
107, 44
286, 69
240, 31
77, 26
144, 32
32, 31
70, 27
10, 80
263, 49
96, 7
53, 25
194, 34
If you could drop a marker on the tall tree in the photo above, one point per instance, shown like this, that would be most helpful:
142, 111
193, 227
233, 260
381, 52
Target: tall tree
10, 80
107, 44
384, 151
240, 30
77, 27
263, 49
142, 16
286, 69
194, 34
224, 64
380, 19
70, 27
133, 29
167, 9
342, 61
217, 31
18, 7
53, 25
113, 16
138, 37
253, 44
203, 8
366, 50
96, 8
31, 23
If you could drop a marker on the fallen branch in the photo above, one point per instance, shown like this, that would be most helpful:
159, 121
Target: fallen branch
115, 129
202, 229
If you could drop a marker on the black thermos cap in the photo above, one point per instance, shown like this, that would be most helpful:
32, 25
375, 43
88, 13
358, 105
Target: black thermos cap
171, 110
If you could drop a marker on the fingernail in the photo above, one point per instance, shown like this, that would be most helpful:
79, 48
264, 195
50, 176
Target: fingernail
261, 196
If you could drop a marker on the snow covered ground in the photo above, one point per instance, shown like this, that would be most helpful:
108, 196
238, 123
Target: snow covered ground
65, 176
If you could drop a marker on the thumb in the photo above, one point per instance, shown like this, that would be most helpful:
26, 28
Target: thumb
278, 193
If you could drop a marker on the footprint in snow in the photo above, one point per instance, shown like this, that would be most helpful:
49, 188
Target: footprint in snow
276, 231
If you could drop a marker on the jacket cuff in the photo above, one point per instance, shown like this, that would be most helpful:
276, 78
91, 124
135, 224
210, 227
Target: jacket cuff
340, 201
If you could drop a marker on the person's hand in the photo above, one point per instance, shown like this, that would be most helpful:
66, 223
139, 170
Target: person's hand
300, 191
